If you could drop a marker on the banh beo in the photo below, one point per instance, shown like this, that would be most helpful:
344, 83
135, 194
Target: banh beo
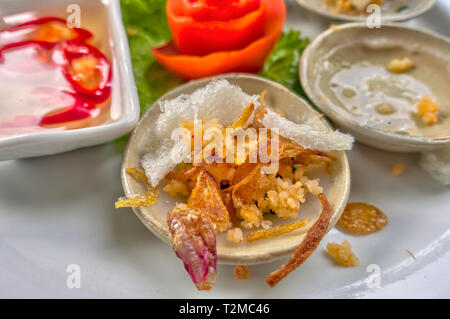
397, 86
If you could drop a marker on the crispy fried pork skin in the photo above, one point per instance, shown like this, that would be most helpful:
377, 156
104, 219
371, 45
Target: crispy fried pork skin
307, 246
207, 199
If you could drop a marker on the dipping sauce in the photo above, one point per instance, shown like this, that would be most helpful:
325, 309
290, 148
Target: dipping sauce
52, 78
356, 78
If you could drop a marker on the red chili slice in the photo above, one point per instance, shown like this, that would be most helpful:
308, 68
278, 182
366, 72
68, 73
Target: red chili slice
50, 29
87, 69
16, 45
78, 111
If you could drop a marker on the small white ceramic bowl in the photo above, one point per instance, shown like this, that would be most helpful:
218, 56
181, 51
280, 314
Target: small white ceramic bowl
316, 54
103, 18
336, 186
416, 8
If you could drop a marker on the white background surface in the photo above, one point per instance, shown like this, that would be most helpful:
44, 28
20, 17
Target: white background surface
58, 210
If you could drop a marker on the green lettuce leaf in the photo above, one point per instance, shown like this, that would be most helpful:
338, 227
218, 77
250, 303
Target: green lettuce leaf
146, 26
282, 65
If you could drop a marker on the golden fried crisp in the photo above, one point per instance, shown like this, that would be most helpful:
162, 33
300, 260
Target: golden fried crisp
223, 173
313, 157
242, 172
177, 189
362, 218
243, 118
276, 231
343, 254
228, 202
252, 188
206, 197
427, 110
138, 174
241, 272
142, 200
307, 246
306, 157
249, 191
185, 173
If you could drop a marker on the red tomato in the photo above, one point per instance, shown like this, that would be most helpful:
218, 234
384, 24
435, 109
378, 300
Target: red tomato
248, 59
216, 10
200, 29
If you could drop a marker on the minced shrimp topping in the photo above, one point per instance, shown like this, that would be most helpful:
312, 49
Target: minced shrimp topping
427, 110
400, 65
235, 235
343, 254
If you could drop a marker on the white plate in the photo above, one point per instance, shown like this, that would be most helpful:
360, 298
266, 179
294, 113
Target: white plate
58, 210
104, 19
388, 10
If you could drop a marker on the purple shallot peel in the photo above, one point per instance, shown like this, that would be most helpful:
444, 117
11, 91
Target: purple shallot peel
194, 242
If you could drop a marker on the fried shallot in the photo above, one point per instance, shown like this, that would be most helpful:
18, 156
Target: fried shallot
276, 231
194, 242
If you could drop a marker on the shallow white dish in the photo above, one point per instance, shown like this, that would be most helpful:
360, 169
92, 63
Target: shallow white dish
336, 186
416, 8
103, 17
316, 55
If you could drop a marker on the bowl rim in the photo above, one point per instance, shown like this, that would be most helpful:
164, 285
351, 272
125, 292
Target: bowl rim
229, 259
118, 44
332, 110
384, 18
